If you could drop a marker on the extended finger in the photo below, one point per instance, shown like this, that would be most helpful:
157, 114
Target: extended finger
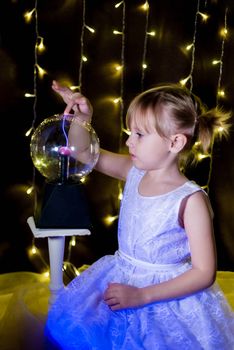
69, 107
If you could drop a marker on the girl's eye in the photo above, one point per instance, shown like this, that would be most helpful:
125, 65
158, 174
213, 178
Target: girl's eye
139, 134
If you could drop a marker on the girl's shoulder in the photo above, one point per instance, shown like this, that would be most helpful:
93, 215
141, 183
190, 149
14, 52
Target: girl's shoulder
200, 197
197, 198
193, 185
187, 191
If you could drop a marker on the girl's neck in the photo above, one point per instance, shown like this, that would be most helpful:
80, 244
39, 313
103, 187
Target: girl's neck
161, 181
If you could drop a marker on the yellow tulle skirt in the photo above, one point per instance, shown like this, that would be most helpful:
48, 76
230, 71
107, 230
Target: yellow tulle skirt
24, 303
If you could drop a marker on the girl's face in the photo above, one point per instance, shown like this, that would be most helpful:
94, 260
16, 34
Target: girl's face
149, 151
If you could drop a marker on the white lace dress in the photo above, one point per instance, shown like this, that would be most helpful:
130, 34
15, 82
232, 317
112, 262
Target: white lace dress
152, 248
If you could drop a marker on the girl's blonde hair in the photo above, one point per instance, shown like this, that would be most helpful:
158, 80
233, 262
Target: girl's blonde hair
173, 109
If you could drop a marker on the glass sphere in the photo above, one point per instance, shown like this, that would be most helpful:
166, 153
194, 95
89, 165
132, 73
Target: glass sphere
64, 148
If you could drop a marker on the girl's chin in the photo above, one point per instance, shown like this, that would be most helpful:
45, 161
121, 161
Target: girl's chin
137, 164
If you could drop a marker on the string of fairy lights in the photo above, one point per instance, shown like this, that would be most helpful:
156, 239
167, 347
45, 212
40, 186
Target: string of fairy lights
31, 16
192, 47
39, 47
67, 265
220, 90
144, 64
223, 33
121, 68
189, 79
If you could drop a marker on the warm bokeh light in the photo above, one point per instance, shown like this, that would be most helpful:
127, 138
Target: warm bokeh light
214, 62
40, 46
185, 80
30, 190
189, 47
41, 71
145, 6
152, 33
109, 219
117, 32
28, 15
204, 16
90, 29
118, 4
223, 32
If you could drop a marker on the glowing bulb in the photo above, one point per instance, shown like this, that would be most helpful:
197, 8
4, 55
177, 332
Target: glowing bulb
214, 62
184, 81
127, 131
83, 179
75, 87
144, 65
152, 33
46, 274
201, 156
117, 100
29, 190
204, 16
223, 32
29, 95
84, 58
119, 68
28, 15
145, 6
90, 29
119, 3
120, 196
221, 93
28, 132
116, 32
41, 71
220, 129
73, 241
188, 47
34, 250
109, 219
41, 46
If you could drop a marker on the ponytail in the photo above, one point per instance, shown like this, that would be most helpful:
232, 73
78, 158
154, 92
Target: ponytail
210, 125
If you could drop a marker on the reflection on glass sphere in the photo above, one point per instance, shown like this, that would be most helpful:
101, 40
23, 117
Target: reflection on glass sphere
64, 148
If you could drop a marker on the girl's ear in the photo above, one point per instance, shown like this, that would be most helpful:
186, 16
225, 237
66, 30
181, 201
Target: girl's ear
178, 142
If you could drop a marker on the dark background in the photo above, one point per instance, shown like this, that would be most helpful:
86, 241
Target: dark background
60, 24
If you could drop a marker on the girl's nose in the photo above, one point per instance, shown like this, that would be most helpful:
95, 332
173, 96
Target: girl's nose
128, 141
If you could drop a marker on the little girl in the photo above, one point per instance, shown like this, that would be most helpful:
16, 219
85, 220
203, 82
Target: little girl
157, 291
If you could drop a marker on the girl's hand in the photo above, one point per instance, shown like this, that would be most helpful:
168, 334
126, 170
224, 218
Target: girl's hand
75, 101
121, 296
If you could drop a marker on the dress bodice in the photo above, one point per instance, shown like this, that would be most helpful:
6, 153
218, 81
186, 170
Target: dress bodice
149, 228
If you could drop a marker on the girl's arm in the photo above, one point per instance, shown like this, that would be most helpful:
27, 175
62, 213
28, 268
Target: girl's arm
109, 163
114, 164
199, 228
